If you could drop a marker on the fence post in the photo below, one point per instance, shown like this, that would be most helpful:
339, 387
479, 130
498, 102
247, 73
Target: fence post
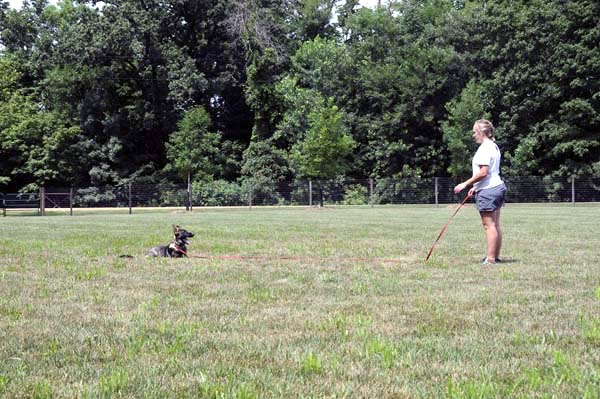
42, 201
371, 192
129, 196
436, 191
573, 189
3, 206
187, 199
310, 193
71, 201
250, 196
190, 195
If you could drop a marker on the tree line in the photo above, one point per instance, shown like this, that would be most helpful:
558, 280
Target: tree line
103, 93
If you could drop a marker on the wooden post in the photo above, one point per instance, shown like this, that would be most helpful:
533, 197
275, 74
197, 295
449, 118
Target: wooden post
129, 196
42, 201
71, 201
187, 200
321, 201
250, 196
190, 193
310, 193
371, 192
436, 191
573, 189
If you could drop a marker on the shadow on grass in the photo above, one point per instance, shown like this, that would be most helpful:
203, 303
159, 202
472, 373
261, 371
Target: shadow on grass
505, 261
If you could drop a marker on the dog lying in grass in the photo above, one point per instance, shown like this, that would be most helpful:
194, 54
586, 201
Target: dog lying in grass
177, 248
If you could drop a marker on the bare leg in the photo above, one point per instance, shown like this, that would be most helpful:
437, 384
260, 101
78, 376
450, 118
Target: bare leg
499, 230
491, 234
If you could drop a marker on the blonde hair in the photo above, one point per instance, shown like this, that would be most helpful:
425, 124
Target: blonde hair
486, 127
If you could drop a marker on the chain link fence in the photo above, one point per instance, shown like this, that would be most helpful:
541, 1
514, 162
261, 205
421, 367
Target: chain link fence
371, 192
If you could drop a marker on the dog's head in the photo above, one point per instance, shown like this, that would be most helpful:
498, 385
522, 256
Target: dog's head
181, 235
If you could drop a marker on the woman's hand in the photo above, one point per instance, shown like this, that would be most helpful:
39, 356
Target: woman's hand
459, 188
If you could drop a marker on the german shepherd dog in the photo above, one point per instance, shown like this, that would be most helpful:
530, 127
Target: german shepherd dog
177, 248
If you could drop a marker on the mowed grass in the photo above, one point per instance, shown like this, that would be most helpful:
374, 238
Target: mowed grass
76, 320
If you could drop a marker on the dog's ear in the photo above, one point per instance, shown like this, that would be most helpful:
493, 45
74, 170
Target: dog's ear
176, 229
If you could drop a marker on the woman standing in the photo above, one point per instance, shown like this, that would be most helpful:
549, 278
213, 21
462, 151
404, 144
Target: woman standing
488, 187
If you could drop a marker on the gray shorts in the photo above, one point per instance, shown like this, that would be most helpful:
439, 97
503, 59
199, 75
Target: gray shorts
490, 199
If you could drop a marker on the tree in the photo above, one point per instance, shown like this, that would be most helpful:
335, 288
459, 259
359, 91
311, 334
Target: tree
36, 146
108, 87
462, 114
325, 66
264, 165
539, 62
314, 19
192, 149
405, 71
323, 151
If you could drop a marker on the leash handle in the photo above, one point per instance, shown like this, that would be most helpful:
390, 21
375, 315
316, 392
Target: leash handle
446, 225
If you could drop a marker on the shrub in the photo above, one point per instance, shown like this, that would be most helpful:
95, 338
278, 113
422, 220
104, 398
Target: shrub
356, 194
216, 193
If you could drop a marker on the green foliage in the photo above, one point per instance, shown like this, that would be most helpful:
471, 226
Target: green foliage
402, 83
537, 59
93, 97
261, 94
314, 19
298, 103
193, 149
406, 190
263, 166
9, 77
462, 113
322, 65
92, 196
217, 193
356, 195
323, 151
36, 147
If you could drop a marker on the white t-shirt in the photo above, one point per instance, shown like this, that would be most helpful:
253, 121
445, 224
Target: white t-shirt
487, 154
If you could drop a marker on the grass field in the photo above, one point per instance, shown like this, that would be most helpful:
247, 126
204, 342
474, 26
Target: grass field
78, 321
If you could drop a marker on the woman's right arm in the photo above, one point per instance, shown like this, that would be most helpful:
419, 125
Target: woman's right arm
480, 175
